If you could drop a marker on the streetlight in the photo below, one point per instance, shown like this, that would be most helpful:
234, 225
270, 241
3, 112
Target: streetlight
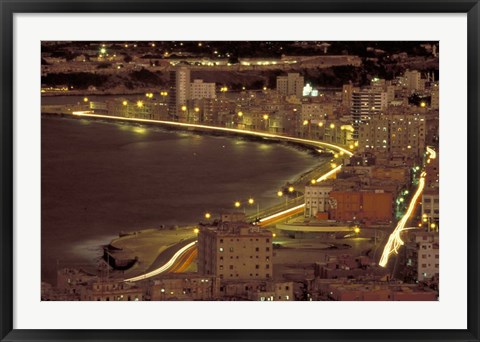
85, 99
196, 230
291, 189
251, 201
207, 216
125, 102
265, 117
240, 114
280, 194
237, 204
356, 230
139, 104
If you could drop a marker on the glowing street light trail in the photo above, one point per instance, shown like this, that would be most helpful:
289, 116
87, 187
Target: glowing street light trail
320, 179
164, 267
281, 213
395, 241
260, 134
223, 129
431, 152
329, 173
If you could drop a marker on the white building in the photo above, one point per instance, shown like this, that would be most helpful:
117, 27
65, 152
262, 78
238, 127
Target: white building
428, 255
201, 90
365, 105
179, 92
431, 207
292, 84
316, 199
413, 81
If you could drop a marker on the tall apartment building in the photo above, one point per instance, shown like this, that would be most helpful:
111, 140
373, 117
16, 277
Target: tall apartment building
395, 134
413, 81
365, 105
435, 100
179, 93
316, 199
292, 84
347, 91
431, 207
423, 257
235, 251
201, 90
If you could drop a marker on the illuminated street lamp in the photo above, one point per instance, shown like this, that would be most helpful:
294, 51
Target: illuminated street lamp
280, 194
356, 230
240, 114
196, 230
291, 189
139, 104
85, 99
313, 181
207, 216
265, 117
125, 102
237, 204
251, 201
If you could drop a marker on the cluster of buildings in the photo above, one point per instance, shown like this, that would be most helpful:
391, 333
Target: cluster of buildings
390, 137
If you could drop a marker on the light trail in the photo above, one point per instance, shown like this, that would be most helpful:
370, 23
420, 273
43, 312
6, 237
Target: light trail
395, 241
329, 173
281, 213
320, 179
432, 152
164, 267
223, 129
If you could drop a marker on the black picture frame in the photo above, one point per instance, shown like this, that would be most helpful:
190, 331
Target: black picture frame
10, 7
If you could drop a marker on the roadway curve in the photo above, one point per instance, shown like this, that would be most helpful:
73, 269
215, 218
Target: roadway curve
306, 142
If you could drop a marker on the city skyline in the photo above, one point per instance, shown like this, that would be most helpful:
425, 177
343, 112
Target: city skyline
354, 214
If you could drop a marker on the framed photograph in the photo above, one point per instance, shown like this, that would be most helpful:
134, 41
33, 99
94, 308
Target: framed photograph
239, 170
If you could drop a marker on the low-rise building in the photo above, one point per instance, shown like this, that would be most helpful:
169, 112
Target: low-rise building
235, 251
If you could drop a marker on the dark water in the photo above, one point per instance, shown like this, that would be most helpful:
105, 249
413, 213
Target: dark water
102, 178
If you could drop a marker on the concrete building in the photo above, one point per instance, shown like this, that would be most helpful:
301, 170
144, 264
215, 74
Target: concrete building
179, 93
113, 290
431, 208
316, 112
235, 251
292, 84
201, 90
316, 200
413, 81
393, 134
366, 104
366, 206
423, 257
347, 91
184, 287
374, 291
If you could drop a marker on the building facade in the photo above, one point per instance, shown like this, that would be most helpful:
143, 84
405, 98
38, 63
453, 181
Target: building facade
235, 251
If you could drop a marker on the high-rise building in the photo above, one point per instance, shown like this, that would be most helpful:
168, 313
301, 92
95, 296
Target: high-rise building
235, 251
292, 84
201, 90
365, 105
395, 134
413, 81
179, 93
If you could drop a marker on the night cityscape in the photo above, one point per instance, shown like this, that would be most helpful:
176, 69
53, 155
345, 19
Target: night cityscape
240, 171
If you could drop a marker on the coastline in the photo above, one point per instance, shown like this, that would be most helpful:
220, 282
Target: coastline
152, 249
